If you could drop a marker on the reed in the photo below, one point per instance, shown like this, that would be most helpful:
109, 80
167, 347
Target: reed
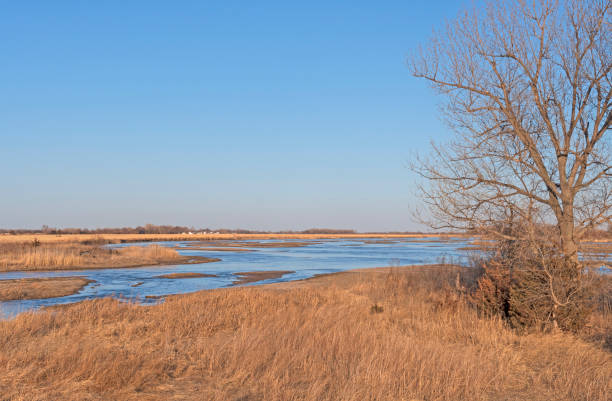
40, 255
117, 238
150, 252
375, 335
75, 255
37, 288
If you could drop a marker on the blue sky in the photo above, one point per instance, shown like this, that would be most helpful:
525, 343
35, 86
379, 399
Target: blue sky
260, 115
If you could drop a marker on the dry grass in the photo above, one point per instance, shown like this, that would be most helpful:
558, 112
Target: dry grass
117, 238
400, 335
150, 252
185, 275
252, 277
214, 249
67, 256
254, 244
37, 288
28, 255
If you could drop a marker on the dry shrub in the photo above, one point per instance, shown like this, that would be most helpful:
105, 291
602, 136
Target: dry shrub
553, 295
316, 340
599, 328
535, 289
493, 292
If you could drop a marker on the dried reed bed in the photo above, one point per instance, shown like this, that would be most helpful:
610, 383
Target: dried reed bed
37, 288
117, 238
36, 255
150, 252
63, 256
354, 336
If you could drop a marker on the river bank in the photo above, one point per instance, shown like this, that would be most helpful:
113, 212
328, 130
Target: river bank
386, 334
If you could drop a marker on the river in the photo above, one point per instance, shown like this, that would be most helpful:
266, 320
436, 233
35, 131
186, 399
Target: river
317, 257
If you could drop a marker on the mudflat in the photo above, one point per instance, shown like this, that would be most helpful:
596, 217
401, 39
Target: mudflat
252, 277
185, 275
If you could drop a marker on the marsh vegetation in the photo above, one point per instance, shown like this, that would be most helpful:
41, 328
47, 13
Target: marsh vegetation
319, 339
37, 288
37, 255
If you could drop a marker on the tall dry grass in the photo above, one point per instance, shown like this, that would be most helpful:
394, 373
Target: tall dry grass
46, 256
149, 252
117, 238
38, 288
40, 255
404, 335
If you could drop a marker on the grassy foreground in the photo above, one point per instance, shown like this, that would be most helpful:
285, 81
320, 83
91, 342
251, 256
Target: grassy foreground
363, 335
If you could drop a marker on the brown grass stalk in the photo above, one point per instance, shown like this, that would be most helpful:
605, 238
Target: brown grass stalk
72, 255
314, 340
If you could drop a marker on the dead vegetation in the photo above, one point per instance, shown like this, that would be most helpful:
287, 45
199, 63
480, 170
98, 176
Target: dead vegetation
252, 277
213, 249
185, 275
366, 335
252, 244
36, 255
37, 288
127, 238
241, 246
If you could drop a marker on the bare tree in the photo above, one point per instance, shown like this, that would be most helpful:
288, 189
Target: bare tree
528, 91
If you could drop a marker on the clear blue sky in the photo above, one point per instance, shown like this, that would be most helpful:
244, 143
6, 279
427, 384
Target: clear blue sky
260, 115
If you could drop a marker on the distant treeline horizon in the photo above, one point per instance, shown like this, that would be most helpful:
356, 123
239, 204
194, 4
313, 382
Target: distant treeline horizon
169, 229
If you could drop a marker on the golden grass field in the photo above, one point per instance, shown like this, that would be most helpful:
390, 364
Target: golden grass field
117, 238
37, 288
76, 255
386, 334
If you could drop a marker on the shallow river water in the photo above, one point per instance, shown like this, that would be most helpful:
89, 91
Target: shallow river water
318, 257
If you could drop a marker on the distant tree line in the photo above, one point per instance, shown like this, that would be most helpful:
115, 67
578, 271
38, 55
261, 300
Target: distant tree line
146, 229
168, 229
164, 229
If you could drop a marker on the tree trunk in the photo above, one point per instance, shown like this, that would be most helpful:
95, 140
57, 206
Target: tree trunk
569, 248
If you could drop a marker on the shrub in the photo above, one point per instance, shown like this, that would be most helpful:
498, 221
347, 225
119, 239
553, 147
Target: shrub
492, 293
530, 292
553, 293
